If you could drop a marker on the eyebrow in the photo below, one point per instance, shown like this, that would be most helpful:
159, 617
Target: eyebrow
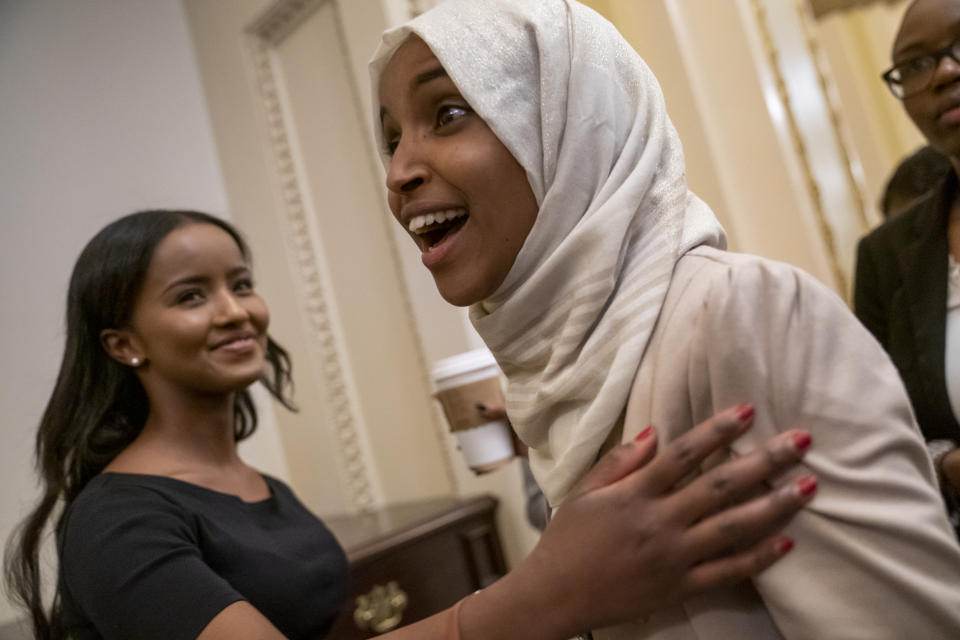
427, 76
908, 52
233, 273
419, 80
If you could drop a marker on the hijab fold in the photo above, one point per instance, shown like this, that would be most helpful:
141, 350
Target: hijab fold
585, 118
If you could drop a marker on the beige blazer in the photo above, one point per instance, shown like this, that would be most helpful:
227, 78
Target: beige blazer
875, 557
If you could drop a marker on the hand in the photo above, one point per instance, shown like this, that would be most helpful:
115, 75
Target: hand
950, 470
625, 543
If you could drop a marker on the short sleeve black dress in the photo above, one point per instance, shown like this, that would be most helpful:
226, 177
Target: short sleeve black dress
153, 557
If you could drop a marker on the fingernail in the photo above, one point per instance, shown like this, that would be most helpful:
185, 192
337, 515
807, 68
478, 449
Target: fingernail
480, 406
806, 486
783, 545
802, 441
644, 434
744, 413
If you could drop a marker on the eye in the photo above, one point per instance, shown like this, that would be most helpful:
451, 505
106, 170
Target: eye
189, 296
449, 113
243, 285
390, 145
917, 66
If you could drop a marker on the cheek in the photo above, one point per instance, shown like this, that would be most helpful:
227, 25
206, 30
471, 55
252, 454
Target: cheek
174, 329
259, 313
919, 111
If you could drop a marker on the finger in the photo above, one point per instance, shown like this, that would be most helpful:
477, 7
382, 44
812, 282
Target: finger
490, 412
519, 445
726, 482
742, 526
619, 462
731, 570
683, 455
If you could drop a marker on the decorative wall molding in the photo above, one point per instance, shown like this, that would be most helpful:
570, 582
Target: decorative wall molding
265, 34
439, 427
796, 137
268, 31
282, 18
852, 172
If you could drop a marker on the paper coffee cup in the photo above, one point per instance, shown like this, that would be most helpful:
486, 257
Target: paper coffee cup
462, 381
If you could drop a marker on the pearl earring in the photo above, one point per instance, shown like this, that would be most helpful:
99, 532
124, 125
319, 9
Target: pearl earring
135, 361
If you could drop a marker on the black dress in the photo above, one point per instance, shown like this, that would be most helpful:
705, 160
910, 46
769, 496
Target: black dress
153, 557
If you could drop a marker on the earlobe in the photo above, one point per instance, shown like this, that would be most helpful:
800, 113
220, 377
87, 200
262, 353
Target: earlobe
119, 345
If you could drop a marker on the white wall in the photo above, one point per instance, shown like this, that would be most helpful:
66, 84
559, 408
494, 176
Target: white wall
101, 114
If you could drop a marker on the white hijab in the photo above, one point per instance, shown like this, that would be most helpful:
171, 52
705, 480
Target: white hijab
585, 117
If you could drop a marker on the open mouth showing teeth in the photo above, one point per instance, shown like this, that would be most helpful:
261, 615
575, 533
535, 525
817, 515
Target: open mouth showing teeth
432, 228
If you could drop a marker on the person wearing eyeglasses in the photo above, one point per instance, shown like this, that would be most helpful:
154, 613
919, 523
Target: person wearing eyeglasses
907, 289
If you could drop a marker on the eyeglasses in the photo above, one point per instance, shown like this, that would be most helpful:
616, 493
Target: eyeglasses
912, 76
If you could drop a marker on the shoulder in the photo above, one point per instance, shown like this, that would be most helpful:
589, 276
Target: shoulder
113, 507
725, 304
723, 278
112, 492
925, 214
893, 233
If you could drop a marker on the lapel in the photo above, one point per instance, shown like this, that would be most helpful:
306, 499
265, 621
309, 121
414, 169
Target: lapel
923, 265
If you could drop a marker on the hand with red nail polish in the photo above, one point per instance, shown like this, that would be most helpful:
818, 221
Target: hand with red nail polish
649, 545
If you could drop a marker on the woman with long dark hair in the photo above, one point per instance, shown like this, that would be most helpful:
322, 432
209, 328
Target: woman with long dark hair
101, 407
164, 532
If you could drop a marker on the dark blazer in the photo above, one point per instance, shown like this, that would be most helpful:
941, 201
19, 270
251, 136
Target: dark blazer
900, 295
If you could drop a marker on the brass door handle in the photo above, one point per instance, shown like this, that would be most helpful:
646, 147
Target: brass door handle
382, 609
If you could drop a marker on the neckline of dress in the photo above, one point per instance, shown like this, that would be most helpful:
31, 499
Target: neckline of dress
193, 485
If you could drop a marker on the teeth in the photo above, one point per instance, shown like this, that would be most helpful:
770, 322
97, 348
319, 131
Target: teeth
438, 217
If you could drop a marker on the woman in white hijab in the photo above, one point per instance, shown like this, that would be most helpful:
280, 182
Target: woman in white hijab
530, 157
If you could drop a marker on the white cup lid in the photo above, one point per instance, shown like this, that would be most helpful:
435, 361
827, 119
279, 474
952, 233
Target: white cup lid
468, 362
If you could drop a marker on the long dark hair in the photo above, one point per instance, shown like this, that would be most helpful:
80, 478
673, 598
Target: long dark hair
98, 406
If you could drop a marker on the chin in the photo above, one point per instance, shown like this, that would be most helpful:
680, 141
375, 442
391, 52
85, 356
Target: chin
459, 300
240, 380
460, 295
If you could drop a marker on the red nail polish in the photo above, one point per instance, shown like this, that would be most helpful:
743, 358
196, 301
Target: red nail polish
744, 412
802, 441
784, 545
643, 434
806, 485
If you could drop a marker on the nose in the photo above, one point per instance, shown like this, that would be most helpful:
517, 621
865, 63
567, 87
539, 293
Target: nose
230, 309
947, 70
407, 171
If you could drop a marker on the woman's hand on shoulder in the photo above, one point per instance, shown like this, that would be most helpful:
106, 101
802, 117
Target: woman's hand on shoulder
627, 542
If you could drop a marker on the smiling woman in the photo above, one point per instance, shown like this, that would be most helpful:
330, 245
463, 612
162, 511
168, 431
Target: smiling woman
197, 324
443, 159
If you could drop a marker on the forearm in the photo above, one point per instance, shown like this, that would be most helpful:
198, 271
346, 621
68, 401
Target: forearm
505, 610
